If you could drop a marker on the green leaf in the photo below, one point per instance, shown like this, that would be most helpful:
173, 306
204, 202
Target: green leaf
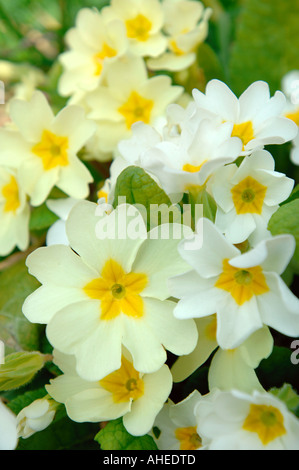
287, 394
134, 186
17, 332
208, 203
114, 436
139, 188
286, 220
41, 218
266, 43
20, 368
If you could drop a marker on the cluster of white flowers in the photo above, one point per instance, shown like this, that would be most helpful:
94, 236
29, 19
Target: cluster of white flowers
115, 303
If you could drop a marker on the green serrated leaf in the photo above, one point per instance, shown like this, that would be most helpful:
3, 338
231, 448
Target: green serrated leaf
266, 43
17, 332
20, 368
114, 436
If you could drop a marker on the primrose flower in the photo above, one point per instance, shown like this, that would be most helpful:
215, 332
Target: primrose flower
256, 117
15, 213
248, 195
44, 148
8, 428
177, 425
108, 289
143, 22
186, 163
129, 96
244, 290
36, 417
257, 421
92, 45
186, 27
124, 392
229, 368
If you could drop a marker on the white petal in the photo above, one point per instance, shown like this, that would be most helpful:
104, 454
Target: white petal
40, 112
60, 266
95, 405
78, 330
273, 254
158, 258
177, 336
157, 387
46, 301
236, 323
207, 260
145, 347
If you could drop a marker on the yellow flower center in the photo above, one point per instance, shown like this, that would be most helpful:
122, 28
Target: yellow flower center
10, 192
266, 421
106, 52
244, 131
192, 168
248, 196
136, 109
124, 384
52, 149
242, 284
118, 291
188, 437
102, 194
138, 28
175, 48
294, 116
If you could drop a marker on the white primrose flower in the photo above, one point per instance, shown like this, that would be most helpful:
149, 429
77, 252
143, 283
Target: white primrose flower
125, 393
36, 417
257, 118
186, 162
177, 425
15, 213
8, 428
244, 290
44, 148
92, 45
56, 234
234, 420
128, 96
108, 289
229, 368
186, 27
248, 195
143, 22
